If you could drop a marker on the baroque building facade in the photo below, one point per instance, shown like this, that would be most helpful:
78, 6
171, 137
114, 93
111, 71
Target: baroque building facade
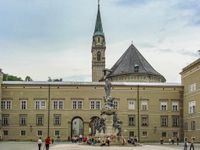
148, 107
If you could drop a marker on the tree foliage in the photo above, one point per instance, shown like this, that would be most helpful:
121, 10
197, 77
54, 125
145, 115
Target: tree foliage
7, 77
28, 78
54, 80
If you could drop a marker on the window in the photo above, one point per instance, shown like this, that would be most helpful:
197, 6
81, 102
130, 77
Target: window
58, 104
144, 133
144, 120
164, 121
185, 126
23, 104
164, 134
175, 134
6, 104
191, 107
131, 134
175, 121
131, 120
22, 132
40, 104
22, 120
57, 133
5, 132
163, 106
98, 56
39, 120
192, 87
39, 133
5, 120
175, 106
131, 104
144, 105
115, 104
77, 104
95, 104
57, 119
193, 126
136, 68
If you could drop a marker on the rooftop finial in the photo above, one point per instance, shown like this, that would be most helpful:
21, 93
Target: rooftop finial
98, 2
132, 42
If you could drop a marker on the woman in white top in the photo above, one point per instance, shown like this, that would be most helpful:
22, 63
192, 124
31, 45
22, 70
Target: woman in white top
39, 142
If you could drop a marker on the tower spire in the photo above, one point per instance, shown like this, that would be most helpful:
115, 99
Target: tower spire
98, 27
98, 49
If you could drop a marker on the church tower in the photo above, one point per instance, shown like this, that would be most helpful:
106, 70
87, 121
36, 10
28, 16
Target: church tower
98, 49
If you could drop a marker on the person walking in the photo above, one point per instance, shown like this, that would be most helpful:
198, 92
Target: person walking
192, 144
185, 144
39, 142
177, 140
47, 142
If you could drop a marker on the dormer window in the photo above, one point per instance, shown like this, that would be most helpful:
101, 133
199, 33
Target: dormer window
136, 68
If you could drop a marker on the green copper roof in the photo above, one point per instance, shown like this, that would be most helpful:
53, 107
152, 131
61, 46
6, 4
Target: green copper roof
98, 27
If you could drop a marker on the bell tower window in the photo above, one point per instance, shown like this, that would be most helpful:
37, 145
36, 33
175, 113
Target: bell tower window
98, 39
98, 56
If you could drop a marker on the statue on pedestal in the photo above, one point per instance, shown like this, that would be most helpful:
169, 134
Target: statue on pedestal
107, 87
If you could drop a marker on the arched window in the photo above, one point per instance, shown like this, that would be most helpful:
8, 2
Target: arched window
98, 39
98, 56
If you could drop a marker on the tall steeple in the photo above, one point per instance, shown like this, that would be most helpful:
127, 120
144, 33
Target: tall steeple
98, 49
98, 27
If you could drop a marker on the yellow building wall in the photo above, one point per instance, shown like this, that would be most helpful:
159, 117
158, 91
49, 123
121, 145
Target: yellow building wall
86, 92
190, 76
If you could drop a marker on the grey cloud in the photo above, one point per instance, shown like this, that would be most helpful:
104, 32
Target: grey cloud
180, 51
132, 2
78, 78
190, 9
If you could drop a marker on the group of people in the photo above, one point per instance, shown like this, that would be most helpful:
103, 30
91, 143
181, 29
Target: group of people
133, 140
170, 140
187, 143
47, 142
191, 143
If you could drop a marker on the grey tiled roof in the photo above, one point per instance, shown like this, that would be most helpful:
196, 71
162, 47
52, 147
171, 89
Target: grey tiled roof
128, 62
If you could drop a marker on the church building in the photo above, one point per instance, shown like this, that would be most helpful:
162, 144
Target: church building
148, 106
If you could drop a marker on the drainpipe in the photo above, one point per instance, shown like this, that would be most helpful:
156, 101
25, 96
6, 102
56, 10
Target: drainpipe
48, 109
138, 112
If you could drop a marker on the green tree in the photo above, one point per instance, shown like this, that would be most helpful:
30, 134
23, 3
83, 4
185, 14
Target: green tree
8, 77
28, 78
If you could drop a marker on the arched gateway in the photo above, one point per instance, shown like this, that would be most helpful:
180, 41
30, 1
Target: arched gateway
77, 126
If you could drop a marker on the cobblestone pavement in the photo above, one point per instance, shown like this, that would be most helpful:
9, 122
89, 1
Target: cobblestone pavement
85, 147
11, 145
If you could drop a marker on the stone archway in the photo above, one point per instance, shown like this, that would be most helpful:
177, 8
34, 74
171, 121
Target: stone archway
91, 125
77, 126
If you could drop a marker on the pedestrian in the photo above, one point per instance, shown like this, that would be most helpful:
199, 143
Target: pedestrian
108, 141
185, 144
177, 140
47, 142
52, 140
192, 144
161, 140
170, 140
39, 142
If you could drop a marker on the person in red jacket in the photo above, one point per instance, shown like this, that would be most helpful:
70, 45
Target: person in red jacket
47, 142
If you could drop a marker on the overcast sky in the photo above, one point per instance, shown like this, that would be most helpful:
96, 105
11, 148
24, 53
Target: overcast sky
52, 38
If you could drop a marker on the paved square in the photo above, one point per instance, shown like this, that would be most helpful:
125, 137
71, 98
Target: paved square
85, 147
